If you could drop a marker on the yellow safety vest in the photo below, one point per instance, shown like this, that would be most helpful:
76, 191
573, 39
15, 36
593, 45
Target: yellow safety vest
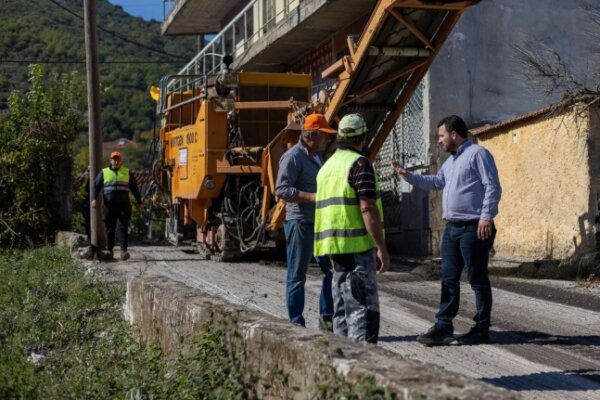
115, 181
339, 226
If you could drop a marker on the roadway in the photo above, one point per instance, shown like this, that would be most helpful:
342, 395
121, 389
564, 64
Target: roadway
541, 348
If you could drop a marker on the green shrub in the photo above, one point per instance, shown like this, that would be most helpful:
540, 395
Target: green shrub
35, 153
580, 267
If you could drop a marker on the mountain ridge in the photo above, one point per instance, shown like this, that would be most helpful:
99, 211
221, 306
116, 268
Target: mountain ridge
132, 55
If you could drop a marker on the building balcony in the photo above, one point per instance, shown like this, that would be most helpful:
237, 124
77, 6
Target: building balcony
264, 35
196, 17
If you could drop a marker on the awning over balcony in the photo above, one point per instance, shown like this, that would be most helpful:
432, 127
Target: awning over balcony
194, 17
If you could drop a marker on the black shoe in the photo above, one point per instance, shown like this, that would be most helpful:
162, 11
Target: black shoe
437, 335
477, 335
325, 325
124, 255
106, 255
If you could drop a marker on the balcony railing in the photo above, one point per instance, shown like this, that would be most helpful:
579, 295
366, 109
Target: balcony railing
239, 35
168, 6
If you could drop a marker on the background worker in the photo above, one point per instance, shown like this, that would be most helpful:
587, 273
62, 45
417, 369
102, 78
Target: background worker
470, 200
116, 182
349, 230
297, 184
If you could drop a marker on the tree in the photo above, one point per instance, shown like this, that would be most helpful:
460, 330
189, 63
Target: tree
35, 157
546, 68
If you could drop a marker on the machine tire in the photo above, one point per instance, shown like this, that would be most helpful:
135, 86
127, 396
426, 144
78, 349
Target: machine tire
227, 248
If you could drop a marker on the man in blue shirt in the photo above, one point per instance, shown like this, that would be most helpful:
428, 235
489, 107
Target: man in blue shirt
471, 193
297, 185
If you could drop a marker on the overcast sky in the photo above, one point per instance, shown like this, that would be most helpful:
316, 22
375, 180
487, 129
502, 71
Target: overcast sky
147, 9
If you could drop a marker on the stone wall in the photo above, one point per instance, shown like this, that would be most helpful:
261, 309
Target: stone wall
282, 360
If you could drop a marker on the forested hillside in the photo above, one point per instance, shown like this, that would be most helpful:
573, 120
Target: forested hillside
133, 55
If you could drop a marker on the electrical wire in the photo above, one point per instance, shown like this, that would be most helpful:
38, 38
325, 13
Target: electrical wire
83, 62
118, 35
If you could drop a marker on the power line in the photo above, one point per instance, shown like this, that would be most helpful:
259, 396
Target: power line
119, 36
83, 62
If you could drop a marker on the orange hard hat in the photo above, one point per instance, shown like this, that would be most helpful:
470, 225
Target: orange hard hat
317, 122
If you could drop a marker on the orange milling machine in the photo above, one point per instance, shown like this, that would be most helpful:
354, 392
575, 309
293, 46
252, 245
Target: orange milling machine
221, 139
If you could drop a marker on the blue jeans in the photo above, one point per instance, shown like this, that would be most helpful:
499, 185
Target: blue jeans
461, 248
299, 237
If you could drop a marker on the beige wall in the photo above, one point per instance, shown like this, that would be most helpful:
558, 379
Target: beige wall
548, 199
594, 154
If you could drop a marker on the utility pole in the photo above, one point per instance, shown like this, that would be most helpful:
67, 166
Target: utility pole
95, 131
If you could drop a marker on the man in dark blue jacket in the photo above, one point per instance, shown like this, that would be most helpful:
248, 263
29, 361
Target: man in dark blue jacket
116, 182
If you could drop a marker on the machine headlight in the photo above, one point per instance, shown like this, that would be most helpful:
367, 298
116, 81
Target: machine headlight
209, 183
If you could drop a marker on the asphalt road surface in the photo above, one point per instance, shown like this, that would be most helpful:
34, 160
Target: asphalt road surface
541, 348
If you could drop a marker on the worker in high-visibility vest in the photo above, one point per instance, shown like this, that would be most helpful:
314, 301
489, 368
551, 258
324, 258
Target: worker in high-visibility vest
116, 182
349, 230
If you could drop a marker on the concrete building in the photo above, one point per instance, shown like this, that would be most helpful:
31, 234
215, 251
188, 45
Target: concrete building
477, 74
269, 35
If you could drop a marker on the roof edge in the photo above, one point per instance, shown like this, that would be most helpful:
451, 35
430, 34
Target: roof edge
545, 112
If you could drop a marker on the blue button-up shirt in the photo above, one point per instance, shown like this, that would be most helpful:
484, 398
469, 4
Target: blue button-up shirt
298, 171
470, 182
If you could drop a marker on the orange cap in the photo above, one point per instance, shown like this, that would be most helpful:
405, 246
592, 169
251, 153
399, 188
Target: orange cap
115, 154
317, 122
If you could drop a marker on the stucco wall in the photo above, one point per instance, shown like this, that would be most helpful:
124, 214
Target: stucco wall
544, 168
594, 155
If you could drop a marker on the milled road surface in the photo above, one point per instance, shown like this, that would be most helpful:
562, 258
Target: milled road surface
540, 349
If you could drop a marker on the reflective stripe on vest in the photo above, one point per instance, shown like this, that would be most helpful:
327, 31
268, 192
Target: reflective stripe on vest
339, 226
116, 180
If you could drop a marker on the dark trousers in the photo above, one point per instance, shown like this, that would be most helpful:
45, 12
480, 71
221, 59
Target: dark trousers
87, 219
461, 248
111, 213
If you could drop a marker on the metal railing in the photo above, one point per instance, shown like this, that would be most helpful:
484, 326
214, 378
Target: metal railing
239, 35
168, 6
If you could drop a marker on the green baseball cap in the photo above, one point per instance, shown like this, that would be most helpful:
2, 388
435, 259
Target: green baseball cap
352, 125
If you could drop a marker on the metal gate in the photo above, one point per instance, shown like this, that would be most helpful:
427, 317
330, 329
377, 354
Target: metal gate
405, 208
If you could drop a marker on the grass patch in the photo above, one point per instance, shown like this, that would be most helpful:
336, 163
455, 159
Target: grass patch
74, 322
335, 387
580, 267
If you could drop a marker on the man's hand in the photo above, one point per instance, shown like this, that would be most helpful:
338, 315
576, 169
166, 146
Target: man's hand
384, 258
484, 229
94, 204
141, 207
400, 169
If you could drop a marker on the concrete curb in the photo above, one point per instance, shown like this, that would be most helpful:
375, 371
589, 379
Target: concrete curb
284, 360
